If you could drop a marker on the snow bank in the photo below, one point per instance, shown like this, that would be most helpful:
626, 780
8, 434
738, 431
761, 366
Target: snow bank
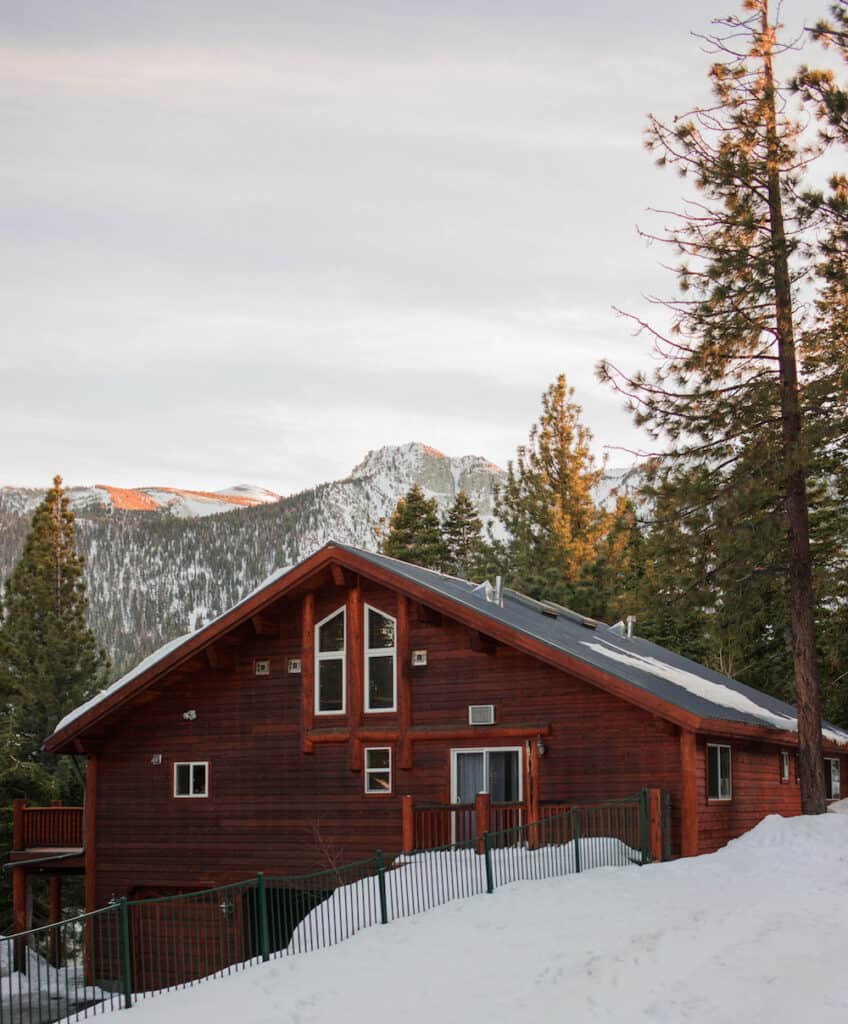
422, 881
44, 993
753, 933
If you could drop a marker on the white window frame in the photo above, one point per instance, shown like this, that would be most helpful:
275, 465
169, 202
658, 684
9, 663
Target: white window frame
331, 656
191, 766
384, 652
785, 767
368, 772
720, 747
829, 763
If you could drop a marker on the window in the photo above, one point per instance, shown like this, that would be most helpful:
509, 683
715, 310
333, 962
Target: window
380, 651
378, 770
330, 664
784, 766
191, 778
718, 772
832, 786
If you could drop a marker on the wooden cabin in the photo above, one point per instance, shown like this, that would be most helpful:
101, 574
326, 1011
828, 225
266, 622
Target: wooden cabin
284, 736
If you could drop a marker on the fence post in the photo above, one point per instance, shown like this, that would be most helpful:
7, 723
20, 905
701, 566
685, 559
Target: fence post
125, 951
482, 815
408, 824
575, 833
643, 825
264, 940
381, 884
490, 875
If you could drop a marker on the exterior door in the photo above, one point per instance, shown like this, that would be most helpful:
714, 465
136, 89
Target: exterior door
496, 771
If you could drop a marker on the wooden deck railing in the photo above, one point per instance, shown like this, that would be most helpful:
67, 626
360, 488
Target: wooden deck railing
37, 827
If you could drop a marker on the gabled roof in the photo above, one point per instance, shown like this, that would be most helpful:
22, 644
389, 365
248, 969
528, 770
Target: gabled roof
671, 685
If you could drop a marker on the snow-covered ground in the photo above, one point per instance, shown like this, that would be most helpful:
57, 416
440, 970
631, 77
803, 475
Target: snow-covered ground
754, 933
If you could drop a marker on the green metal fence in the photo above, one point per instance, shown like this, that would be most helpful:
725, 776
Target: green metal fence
133, 949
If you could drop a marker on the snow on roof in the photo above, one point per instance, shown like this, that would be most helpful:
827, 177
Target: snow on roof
708, 689
160, 654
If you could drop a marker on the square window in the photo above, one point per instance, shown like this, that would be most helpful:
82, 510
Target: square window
191, 778
719, 785
378, 770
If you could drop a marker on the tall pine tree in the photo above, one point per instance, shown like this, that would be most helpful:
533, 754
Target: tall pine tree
546, 506
49, 661
415, 531
467, 553
729, 397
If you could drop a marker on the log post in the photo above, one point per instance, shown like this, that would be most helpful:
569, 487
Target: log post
688, 794
90, 861
307, 668
655, 836
482, 818
55, 951
20, 906
408, 824
355, 658
404, 692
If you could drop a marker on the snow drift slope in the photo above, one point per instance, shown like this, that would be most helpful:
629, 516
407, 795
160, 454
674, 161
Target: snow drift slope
754, 933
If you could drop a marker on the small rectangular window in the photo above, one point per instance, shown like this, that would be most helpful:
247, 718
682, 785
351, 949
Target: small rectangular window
719, 785
784, 766
191, 778
378, 770
832, 781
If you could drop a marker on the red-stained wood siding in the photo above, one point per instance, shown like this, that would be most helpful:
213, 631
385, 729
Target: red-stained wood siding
286, 787
757, 791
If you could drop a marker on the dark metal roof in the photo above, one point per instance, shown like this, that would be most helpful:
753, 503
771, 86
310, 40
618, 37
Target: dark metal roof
654, 669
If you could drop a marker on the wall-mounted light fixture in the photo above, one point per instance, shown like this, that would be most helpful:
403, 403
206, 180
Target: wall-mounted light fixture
419, 659
541, 749
190, 715
156, 759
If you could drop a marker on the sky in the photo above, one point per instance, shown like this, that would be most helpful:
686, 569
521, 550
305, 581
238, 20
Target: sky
248, 242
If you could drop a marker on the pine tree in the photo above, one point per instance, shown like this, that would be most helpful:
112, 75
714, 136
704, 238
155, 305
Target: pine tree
546, 507
415, 531
467, 553
49, 662
727, 397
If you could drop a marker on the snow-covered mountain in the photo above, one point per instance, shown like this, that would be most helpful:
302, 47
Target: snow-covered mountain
152, 576
173, 500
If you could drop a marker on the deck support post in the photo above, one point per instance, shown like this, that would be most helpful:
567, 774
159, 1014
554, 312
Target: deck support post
55, 950
408, 824
482, 815
688, 794
655, 834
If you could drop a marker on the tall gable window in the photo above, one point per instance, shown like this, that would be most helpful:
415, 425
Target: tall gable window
330, 664
832, 782
380, 661
718, 772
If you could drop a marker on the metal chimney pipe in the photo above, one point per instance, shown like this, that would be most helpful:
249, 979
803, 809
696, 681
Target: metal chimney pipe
631, 622
499, 591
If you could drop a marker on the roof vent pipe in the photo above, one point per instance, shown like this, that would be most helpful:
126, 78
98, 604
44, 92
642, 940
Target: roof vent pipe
499, 591
631, 622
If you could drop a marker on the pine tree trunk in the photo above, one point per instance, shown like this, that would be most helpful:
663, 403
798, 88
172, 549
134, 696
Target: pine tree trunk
801, 601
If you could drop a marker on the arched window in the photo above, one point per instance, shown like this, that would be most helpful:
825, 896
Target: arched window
380, 661
330, 664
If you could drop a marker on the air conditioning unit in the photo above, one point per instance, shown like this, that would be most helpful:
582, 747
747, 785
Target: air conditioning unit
481, 714
262, 668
